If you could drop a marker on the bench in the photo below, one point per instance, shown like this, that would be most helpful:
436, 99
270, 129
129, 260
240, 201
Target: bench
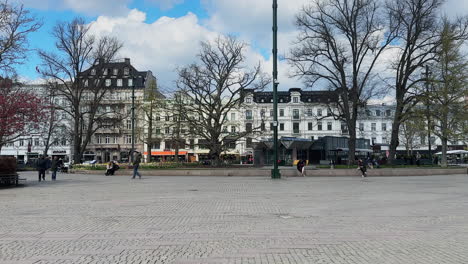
10, 179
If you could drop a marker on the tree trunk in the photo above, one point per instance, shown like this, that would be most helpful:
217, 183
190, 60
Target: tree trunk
443, 162
394, 142
352, 146
150, 134
76, 141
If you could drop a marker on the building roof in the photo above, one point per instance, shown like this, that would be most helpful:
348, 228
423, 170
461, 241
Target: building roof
286, 96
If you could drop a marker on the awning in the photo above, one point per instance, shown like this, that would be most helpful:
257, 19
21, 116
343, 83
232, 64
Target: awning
454, 152
165, 153
357, 150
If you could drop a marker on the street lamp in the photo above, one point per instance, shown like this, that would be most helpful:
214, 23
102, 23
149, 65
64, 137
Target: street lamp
275, 173
133, 122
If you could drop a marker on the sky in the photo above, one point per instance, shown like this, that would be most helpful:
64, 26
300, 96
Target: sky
162, 35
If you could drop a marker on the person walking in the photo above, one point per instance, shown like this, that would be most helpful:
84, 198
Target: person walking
136, 165
362, 168
300, 167
54, 166
41, 166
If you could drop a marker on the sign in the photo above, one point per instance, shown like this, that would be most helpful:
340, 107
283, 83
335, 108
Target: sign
59, 152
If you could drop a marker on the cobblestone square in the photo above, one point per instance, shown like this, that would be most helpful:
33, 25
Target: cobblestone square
188, 220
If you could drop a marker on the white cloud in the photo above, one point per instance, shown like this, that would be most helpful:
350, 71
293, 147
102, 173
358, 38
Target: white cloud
88, 7
456, 7
161, 46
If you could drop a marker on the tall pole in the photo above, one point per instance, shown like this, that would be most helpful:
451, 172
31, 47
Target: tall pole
428, 114
275, 173
133, 122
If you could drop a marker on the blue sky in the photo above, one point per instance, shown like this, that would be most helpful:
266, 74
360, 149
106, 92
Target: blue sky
162, 35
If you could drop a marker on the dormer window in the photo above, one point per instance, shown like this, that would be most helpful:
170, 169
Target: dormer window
295, 99
116, 71
119, 82
85, 82
93, 71
126, 71
105, 71
130, 82
108, 82
248, 100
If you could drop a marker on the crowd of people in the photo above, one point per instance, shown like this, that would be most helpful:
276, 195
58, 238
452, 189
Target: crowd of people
46, 164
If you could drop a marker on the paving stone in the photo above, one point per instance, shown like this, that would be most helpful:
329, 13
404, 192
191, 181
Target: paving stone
95, 219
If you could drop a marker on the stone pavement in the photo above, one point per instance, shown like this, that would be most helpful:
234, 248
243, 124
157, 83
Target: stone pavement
189, 220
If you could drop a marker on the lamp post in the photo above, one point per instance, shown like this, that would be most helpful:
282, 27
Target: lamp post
133, 122
427, 73
275, 173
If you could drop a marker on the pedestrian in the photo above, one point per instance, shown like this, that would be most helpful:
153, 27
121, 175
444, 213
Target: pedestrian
362, 168
136, 165
111, 168
48, 164
54, 166
300, 167
418, 159
41, 166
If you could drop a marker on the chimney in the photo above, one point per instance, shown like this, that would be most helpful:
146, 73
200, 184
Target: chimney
127, 61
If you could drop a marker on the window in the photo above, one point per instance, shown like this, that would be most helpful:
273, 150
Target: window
85, 82
384, 140
319, 112
105, 71
373, 127
281, 113
233, 116
174, 118
93, 71
107, 140
108, 82
114, 140
128, 139
158, 131
225, 129
295, 99
248, 114
272, 127
98, 139
295, 113
233, 129
329, 112
377, 112
329, 126
36, 142
281, 127
309, 126
63, 142
249, 143
130, 82
21, 142
129, 124
374, 140
167, 130
167, 118
271, 112
388, 112
384, 127
248, 127
119, 82
368, 113
361, 126
126, 71
296, 128
158, 118
309, 111
192, 143
116, 71
262, 126
248, 100
319, 126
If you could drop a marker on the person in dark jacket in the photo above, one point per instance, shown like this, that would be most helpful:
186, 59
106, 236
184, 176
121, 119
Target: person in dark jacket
136, 165
54, 166
362, 168
300, 167
41, 166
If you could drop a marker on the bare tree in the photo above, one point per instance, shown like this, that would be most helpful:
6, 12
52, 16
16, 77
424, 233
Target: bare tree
339, 43
15, 25
419, 40
411, 130
78, 49
214, 87
450, 87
